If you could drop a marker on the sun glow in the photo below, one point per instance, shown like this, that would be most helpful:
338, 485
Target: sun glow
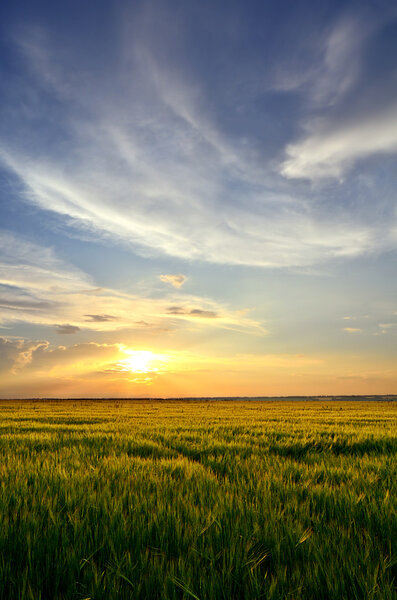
141, 361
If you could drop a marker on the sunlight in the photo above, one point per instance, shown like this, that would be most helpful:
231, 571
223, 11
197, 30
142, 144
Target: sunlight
141, 361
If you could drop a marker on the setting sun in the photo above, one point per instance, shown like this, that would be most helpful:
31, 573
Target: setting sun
141, 361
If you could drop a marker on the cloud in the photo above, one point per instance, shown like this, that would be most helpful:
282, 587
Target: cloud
29, 368
80, 357
331, 149
386, 328
341, 59
67, 329
193, 312
352, 109
18, 304
334, 63
24, 263
100, 318
207, 314
266, 230
63, 295
17, 353
77, 357
175, 280
352, 329
152, 154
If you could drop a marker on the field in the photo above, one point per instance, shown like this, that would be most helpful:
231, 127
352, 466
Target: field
107, 500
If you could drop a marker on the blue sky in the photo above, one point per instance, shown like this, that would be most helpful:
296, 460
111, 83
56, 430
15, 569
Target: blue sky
200, 180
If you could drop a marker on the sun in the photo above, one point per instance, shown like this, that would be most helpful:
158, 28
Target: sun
140, 361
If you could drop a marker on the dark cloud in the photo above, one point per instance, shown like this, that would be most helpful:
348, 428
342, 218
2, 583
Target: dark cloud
194, 312
208, 314
100, 318
24, 305
176, 310
67, 329
16, 299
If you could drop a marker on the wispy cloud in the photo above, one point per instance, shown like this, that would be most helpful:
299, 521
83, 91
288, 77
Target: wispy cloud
387, 328
151, 155
342, 57
62, 294
348, 119
29, 265
330, 149
334, 65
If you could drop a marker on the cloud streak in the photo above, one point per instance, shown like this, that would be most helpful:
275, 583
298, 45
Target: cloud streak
329, 150
100, 318
192, 312
354, 111
62, 294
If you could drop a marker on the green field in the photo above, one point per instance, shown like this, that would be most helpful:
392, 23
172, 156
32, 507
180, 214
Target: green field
202, 499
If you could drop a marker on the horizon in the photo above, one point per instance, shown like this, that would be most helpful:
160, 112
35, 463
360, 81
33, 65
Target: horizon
358, 397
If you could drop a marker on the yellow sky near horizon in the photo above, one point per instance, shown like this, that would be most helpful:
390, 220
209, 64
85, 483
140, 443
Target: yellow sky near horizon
116, 370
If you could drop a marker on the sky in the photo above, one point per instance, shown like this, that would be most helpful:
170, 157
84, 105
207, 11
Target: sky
198, 198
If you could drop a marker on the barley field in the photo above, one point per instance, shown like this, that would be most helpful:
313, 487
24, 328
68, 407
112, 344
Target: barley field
107, 500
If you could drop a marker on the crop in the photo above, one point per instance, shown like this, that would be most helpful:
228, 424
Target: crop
107, 500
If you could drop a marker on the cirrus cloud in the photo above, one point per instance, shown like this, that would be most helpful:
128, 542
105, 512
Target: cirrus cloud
152, 154
62, 294
329, 150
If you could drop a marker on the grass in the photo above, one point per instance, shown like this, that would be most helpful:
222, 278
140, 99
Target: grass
107, 500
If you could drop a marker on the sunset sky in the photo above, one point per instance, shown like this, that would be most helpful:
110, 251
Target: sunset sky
198, 198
